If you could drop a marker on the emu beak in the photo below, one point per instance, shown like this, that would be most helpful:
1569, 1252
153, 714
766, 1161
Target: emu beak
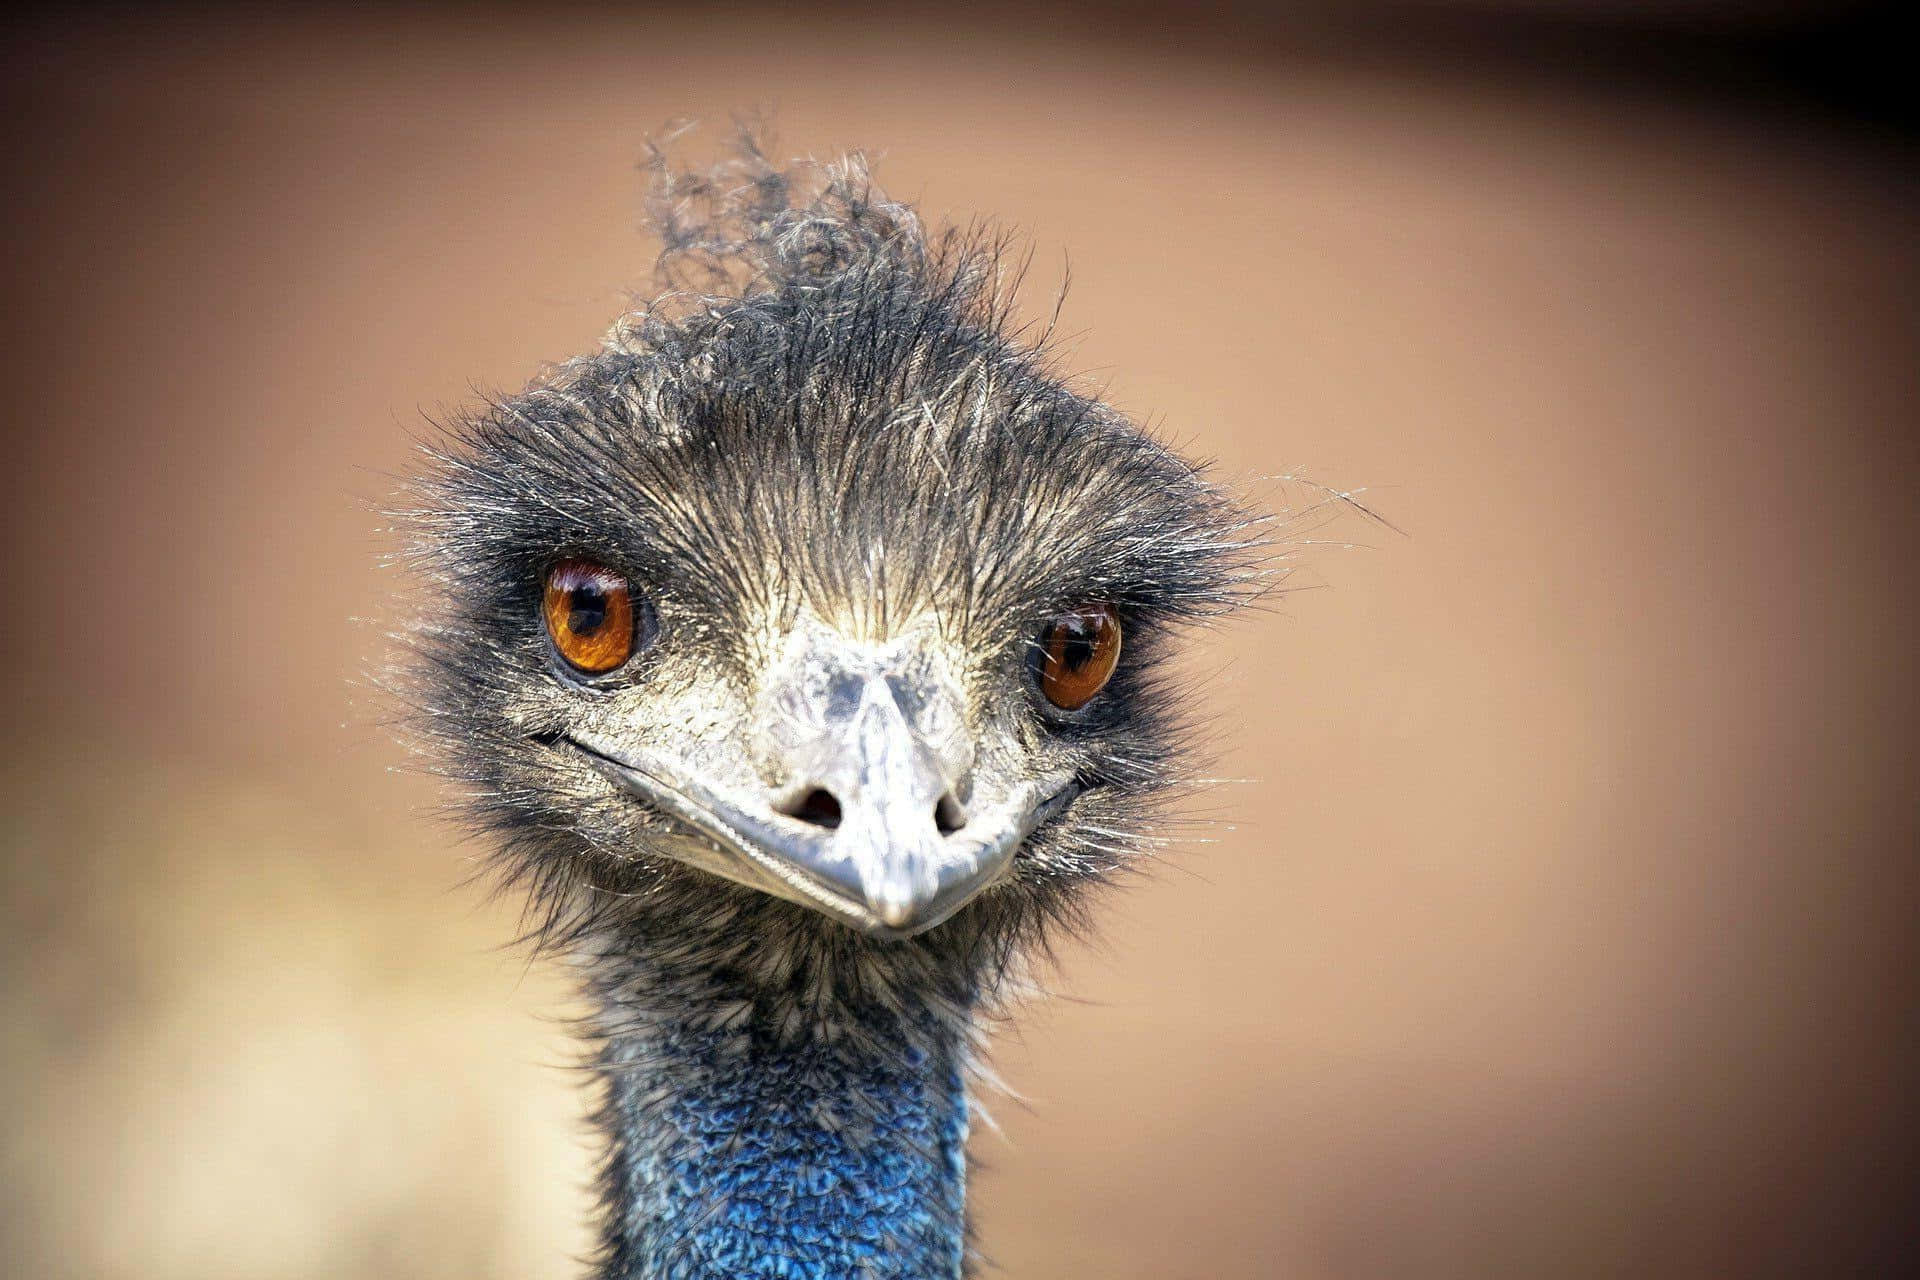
875, 822
886, 869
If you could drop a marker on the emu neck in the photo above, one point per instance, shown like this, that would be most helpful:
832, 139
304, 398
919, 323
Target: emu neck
750, 1138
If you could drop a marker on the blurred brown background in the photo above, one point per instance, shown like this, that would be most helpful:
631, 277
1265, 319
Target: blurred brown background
1562, 926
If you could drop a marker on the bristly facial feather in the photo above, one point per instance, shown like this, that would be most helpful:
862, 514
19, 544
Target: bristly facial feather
841, 430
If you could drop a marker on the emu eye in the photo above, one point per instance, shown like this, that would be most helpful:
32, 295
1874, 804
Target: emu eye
1078, 651
590, 615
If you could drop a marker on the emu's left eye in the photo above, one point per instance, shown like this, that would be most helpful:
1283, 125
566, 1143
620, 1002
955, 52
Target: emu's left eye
1078, 652
590, 615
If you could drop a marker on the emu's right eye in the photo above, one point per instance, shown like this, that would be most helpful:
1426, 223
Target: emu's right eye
590, 615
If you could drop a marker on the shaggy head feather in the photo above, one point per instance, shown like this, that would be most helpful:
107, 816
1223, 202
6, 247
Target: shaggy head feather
843, 432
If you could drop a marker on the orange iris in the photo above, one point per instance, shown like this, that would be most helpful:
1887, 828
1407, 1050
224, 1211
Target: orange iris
589, 612
1078, 652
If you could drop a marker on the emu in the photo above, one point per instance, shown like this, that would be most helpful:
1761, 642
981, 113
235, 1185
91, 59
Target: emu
801, 652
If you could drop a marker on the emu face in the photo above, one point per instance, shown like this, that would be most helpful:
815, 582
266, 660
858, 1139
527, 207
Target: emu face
828, 593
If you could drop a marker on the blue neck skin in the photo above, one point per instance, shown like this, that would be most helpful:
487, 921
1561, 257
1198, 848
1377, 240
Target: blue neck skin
744, 1148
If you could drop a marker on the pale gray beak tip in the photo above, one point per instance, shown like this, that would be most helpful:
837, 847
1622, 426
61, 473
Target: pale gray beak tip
895, 910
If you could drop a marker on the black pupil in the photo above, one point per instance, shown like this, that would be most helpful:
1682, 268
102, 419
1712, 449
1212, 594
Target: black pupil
1076, 650
586, 610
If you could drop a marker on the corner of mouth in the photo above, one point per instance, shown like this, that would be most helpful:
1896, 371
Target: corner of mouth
1054, 805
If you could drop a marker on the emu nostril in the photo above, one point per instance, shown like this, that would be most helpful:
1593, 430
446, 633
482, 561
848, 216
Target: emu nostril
819, 807
948, 816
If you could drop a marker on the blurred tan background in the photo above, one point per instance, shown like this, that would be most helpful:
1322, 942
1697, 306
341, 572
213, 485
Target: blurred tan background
1561, 929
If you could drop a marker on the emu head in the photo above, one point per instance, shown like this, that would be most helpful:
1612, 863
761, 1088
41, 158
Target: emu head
816, 601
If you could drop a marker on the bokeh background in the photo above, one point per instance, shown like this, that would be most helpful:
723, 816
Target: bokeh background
1561, 927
